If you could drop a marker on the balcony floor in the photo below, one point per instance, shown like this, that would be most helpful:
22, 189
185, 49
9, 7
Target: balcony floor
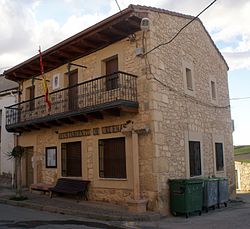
115, 108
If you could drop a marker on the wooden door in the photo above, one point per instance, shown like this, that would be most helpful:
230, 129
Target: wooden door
73, 91
30, 95
29, 166
111, 68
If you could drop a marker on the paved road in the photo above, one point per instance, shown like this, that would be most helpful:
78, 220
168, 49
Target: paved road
237, 215
17, 217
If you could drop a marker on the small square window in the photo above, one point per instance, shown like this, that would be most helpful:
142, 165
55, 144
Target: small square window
213, 90
189, 79
56, 83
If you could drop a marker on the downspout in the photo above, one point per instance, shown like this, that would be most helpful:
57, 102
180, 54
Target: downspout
17, 100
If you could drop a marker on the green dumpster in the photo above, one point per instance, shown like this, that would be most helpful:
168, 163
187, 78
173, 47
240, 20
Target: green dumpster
222, 191
186, 196
210, 193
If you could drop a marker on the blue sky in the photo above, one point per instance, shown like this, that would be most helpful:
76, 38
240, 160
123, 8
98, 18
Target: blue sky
26, 24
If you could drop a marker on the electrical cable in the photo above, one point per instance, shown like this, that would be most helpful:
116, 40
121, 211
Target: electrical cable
118, 5
165, 43
240, 98
190, 97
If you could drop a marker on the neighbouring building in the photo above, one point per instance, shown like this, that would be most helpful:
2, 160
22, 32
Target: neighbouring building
242, 172
125, 119
8, 96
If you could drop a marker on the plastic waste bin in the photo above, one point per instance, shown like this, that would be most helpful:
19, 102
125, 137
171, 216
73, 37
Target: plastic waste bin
186, 196
210, 193
222, 191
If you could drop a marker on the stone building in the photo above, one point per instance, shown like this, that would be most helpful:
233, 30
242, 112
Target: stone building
123, 117
8, 96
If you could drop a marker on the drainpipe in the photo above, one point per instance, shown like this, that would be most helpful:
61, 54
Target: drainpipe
135, 150
15, 142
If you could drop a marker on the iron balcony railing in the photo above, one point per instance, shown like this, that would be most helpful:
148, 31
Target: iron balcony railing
119, 86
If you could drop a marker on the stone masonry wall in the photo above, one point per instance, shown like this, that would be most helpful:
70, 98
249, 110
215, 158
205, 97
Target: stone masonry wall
243, 173
178, 116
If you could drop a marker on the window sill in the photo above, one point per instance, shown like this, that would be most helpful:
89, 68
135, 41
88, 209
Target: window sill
222, 172
195, 177
113, 179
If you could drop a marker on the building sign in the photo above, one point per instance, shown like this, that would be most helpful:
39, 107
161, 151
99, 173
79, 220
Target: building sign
76, 133
112, 129
88, 132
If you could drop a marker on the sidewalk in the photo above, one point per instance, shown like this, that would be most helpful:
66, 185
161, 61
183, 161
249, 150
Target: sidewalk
88, 209
94, 209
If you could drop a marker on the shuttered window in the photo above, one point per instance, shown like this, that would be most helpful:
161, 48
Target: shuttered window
194, 158
219, 156
112, 158
71, 159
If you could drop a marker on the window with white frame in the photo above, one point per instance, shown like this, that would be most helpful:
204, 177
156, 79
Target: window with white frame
56, 82
219, 156
195, 158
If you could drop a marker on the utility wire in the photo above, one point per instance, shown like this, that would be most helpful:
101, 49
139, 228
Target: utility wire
118, 5
190, 97
242, 98
165, 43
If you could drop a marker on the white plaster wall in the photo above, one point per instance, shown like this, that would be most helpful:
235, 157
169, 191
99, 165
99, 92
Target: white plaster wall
7, 139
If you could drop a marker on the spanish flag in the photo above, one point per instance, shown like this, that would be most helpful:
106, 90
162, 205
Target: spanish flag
45, 86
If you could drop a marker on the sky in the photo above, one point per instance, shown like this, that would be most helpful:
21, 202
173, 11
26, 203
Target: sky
26, 24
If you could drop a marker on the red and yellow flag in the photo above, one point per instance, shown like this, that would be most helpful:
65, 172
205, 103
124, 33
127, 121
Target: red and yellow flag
45, 86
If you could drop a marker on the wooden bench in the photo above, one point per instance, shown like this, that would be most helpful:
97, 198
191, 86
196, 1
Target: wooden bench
71, 186
41, 187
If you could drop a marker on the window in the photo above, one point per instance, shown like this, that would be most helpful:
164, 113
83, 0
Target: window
213, 90
219, 156
194, 158
111, 65
112, 158
56, 83
189, 79
71, 159
51, 157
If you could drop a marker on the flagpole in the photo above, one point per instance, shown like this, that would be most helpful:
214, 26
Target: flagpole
45, 86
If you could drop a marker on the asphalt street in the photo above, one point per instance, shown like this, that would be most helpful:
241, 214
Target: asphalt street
237, 215
18, 217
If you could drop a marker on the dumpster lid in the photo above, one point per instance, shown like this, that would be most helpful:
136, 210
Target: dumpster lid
186, 181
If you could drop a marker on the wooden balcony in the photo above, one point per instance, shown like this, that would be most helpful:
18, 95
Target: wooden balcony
106, 95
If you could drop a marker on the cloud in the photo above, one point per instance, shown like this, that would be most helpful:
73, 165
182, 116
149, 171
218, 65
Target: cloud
22, 31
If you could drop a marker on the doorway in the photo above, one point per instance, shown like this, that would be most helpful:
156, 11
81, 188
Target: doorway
73, 91
111, 72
